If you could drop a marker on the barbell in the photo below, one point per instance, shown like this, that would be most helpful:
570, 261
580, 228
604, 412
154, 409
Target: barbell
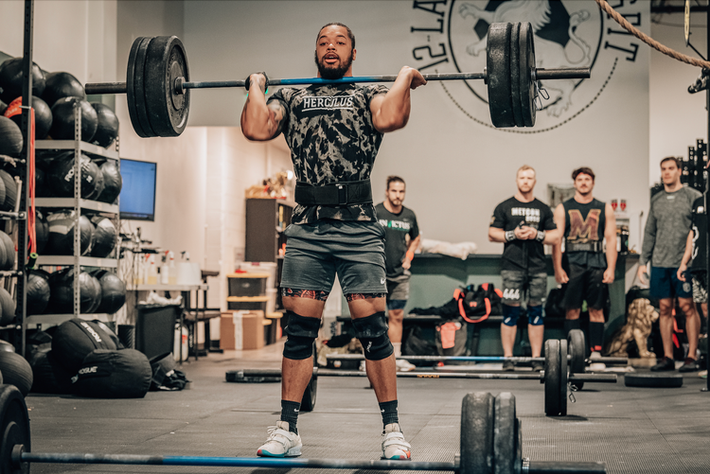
158, 81
555, 377
491, 441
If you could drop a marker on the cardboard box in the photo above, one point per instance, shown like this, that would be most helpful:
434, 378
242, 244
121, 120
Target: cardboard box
241, 330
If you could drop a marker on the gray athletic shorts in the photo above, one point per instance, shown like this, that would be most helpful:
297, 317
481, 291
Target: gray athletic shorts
353, 250
398, 292
516, 283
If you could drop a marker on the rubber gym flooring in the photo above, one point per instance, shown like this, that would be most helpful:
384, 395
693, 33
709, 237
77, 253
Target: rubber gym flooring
632, 430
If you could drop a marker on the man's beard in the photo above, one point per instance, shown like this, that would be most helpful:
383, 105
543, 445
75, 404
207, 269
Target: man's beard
333, 72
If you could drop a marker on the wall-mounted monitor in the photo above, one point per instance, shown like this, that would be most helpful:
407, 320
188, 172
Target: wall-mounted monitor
137, 199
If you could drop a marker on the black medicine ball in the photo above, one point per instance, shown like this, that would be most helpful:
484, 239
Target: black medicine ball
63, 119
113, 291
11, 80
10, 138
104, 239
43, 115
112, 182
59, 85
107, 129
41, 232
61, 176
8, 204
61, 298
61, 233
37, 291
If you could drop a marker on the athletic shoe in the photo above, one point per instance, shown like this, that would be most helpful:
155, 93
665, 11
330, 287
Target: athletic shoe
508, 366
362, 366
664, 364
690, 365
394, 447
404, 366
281, 442
538, 366
595, 365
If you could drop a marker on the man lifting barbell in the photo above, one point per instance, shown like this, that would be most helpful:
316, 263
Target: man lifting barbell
334, 132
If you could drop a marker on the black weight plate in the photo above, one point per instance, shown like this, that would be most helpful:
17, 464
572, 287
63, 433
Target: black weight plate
505, 434
577, 349
498, 75
14, 427
515, 71
135, 88
166, 60
308, 403
253, 376
527, 65
653, 380
476, 455
552, 377
564, 377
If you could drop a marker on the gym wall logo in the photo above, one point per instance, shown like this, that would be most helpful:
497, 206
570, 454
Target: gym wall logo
450, 37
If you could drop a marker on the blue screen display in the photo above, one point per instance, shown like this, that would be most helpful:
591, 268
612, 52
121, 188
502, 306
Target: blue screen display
137, 199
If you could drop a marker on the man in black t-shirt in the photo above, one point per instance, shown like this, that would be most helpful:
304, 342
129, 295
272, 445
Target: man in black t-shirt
401, 240
696, 249
588, 267
524, 224
334, 129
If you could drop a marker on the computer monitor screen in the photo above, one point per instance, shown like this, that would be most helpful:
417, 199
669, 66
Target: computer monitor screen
137, 199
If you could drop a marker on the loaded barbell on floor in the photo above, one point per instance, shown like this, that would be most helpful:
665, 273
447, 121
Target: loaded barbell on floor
490, 441
158, 81
556, 378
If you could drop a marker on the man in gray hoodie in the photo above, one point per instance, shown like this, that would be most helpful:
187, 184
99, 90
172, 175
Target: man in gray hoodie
664, 240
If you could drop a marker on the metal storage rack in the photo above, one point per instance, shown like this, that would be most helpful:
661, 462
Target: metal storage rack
77, 204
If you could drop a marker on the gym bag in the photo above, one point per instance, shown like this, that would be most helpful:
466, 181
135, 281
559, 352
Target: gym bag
113, 374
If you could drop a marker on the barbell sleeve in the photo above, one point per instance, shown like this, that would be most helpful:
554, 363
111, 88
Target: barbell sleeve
594, 378
98, 88
563, 73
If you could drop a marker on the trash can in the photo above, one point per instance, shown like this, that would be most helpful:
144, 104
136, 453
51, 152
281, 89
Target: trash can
155, 328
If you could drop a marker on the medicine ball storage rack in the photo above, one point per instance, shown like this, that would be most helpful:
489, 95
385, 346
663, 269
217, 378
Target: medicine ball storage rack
76, 204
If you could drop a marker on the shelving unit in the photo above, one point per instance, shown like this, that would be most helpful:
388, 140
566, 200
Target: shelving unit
78, 205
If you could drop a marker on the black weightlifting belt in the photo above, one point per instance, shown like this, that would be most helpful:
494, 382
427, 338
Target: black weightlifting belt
338, 194
593, 246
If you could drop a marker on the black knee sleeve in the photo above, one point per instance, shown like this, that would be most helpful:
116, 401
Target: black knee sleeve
301, 332
372, 332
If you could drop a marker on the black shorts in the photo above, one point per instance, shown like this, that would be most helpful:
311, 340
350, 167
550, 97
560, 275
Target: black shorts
585, 284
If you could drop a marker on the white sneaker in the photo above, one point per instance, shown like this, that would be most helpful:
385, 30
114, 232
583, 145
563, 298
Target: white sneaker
281, 442
404, 366
394, 446
596, 366
362, 366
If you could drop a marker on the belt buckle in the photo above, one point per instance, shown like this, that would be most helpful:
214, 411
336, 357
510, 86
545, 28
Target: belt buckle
342, 195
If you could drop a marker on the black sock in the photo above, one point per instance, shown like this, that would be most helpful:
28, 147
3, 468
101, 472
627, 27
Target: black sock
571, 324
289, 413
389, 412
596, 336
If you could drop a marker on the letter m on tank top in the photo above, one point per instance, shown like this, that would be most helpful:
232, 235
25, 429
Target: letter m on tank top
583, 230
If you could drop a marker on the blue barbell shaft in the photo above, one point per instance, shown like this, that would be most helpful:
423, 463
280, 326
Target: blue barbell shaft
531, 467
433, 358
79, 458
181, 84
